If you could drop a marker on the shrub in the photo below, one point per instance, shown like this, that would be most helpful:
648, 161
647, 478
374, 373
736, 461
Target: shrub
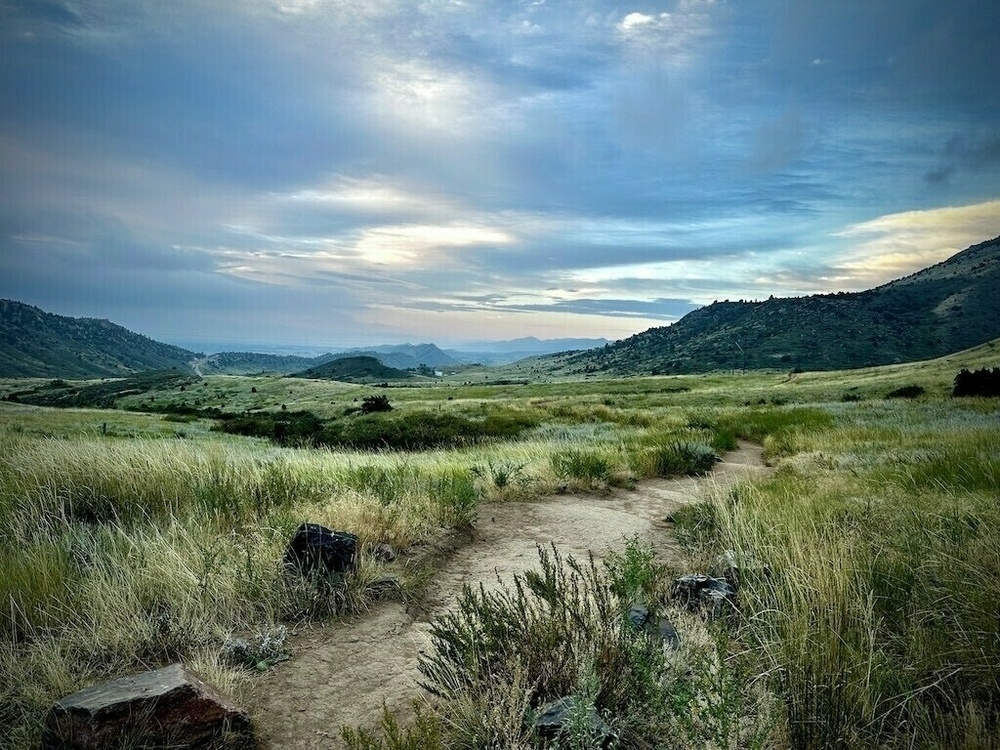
373, 404
684, 458
982, 382
907, 391
588, 466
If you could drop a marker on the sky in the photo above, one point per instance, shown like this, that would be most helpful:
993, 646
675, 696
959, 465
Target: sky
333, 172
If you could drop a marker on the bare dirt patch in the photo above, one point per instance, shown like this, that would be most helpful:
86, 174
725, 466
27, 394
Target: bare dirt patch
343, 672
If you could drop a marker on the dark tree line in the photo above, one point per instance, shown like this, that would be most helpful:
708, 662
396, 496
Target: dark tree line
984, 382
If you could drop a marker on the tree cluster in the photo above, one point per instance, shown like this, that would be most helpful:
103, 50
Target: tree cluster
984, 382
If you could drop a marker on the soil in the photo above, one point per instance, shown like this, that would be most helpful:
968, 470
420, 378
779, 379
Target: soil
343, 672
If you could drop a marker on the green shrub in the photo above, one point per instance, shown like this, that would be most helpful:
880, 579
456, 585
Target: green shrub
684, 459
907, 391
588, 466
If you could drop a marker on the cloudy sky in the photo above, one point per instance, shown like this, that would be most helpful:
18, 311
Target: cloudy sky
333, 172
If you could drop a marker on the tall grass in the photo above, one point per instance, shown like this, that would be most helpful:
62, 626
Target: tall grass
870, 572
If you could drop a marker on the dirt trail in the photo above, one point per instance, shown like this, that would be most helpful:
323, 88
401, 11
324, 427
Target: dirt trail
342, 673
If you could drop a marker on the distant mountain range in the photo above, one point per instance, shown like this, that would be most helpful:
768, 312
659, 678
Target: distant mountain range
948, 307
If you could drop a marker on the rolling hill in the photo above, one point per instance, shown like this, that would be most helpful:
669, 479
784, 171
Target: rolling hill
404, 356
254, 363
942, 309
34, 343
353, 370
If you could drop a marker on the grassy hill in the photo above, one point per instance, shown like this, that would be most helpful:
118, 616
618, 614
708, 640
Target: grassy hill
34, 343
353, 370
254, 363
942, 309
405, 356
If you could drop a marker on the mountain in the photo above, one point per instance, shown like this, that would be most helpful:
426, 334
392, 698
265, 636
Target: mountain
34, 343
353, 370
942, 309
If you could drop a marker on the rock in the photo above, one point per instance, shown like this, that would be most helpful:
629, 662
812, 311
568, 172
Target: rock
384, 552
555, 719
641, 619
702, 593
169, 707
317, 550
725, 566
668, 633
638, 615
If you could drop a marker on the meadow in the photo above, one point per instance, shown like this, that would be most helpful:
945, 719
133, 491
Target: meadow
869, 562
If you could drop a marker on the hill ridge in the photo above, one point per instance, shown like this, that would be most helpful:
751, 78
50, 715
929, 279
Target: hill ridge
936, 311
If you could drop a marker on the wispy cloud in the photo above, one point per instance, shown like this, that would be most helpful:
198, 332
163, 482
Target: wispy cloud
446, 169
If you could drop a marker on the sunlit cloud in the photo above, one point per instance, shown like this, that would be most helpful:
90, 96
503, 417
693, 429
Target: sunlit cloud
899, 244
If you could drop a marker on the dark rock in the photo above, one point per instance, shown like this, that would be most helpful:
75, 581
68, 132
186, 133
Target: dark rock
169, 707
726, 567
668, 633
556, 718
702, 593
638, 615
317, 550
641, 619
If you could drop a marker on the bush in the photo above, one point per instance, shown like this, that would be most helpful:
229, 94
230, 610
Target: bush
907, 391
588, 466
683, 458
982, 382
372, 404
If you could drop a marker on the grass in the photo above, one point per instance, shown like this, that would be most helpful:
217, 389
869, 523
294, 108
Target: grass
868, 563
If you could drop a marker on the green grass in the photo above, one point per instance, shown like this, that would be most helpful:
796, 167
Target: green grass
869, 561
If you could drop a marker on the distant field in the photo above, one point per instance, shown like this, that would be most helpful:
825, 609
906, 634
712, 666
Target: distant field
142, 534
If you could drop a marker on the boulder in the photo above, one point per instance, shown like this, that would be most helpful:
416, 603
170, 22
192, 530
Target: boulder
555, 719
641, 619
169, 707
315, 550
701, 593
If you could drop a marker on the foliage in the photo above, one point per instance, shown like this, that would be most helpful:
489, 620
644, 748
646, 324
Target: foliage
683, 458
869, 580
413, 431
424, 733
590, 466
983, 382
907, 391
563, 630
373, 404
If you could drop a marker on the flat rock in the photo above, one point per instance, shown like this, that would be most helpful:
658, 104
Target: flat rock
169, 707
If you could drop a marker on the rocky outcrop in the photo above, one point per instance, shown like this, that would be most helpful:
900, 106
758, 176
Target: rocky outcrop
169, 707
315, 550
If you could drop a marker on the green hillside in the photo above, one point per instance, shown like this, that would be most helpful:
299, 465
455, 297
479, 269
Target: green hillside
254, 363
353, 370
942, 309
34, 343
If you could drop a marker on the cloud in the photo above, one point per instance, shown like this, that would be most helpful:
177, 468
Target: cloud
899, 244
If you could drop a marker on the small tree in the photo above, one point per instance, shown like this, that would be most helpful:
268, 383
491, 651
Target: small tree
372, 404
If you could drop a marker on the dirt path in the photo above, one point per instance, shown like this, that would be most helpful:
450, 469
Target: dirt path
342, 673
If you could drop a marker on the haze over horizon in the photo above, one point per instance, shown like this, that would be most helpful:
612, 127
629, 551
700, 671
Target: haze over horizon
317, 172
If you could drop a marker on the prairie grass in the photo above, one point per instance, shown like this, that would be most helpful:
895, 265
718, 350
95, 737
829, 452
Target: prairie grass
870, 573
869, 563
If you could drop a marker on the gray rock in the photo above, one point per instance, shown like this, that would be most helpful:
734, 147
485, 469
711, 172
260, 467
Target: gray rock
701, 593
638, 615
169, 707
557, 718
668, 633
